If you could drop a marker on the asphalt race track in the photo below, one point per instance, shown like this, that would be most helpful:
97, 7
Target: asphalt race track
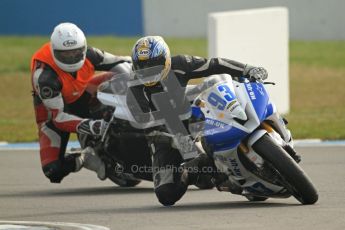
26, 195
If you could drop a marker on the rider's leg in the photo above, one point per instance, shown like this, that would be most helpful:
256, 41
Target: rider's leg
166, 173
53, 144
55, 163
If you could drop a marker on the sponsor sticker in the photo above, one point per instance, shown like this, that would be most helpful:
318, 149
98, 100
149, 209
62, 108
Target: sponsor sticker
144, 54
69, 43
47, 92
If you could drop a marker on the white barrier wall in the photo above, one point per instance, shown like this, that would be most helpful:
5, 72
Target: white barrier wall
258, 37
309, 19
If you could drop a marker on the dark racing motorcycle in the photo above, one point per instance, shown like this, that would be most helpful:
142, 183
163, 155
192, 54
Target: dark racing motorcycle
124, 148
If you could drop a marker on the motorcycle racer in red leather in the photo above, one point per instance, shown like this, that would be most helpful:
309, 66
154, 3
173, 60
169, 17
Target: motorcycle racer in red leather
63, 84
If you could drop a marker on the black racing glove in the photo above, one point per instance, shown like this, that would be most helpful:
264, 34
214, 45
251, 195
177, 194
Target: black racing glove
92, 127
257, 73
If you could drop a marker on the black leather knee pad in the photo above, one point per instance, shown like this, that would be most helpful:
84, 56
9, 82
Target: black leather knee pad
57, 170
168, 194
54, 172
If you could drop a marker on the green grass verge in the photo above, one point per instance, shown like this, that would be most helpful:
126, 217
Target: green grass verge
317, 76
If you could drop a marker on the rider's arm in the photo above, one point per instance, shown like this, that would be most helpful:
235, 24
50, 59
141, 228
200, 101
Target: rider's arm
48, 87
104, 61
196, 67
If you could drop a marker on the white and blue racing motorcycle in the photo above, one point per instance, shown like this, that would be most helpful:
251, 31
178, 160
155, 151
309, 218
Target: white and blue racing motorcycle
237, 125
249, 141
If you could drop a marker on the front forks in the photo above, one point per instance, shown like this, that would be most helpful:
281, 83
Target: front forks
278, 137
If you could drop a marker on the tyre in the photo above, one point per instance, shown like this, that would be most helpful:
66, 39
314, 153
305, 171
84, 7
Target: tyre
293, 177
256, 198
122, 182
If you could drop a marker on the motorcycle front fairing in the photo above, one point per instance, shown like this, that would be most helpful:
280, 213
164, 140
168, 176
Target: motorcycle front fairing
231, 111
225, 128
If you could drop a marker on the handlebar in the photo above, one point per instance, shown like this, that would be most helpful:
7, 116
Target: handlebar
269, 83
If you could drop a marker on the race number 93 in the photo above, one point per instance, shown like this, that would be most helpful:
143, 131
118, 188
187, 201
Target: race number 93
218, 101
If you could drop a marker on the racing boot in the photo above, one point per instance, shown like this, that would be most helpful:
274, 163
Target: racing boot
200, 168
90, 160
224, 184
205, 181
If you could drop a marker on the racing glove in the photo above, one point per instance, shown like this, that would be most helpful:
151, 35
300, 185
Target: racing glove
92, 127
257, 73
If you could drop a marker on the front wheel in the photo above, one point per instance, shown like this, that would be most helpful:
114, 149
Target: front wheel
293, 177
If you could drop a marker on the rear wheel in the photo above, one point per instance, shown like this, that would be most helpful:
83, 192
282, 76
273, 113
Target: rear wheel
124, 182
256, 198
293, 177
130, 183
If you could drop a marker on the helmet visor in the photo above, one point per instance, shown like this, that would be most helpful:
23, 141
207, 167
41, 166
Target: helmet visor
143, 64
70, 56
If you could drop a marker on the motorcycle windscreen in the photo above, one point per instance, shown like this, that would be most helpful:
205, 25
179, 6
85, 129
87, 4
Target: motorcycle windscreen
119, 92
259, 98
119, 83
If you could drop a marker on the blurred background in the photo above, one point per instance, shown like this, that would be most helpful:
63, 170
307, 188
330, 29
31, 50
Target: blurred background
316, 50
